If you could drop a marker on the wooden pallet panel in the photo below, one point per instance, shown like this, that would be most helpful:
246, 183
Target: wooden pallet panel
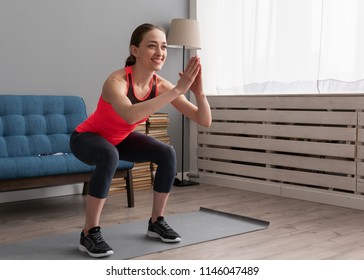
308, 141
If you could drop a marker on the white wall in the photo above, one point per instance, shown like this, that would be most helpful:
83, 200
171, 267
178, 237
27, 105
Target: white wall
71, 46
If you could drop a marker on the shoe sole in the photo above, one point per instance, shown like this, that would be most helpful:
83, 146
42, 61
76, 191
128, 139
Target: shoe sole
156, 235
84, 249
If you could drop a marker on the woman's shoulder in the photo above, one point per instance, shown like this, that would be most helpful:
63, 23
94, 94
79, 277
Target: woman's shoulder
115, 83
117, 76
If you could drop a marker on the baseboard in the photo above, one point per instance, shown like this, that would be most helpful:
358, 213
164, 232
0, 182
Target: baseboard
341, 199
40, 193
239, 183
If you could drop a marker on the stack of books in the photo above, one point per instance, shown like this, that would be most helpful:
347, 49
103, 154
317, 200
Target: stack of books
142, 179
143, 173
141, 127
157, 127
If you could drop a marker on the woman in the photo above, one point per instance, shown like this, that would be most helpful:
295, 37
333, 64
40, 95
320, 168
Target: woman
129, 96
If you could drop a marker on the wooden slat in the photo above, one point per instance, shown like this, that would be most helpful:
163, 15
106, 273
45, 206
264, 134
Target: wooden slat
311, 102
360, 152
289, 131
298, 177
284, 116
360, 135
281, 160
360, 168
361, 118
289, 146
360, 185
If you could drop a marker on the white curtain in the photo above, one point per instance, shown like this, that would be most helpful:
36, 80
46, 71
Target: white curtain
282, 46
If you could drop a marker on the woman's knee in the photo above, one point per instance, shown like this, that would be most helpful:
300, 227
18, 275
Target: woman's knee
167, 154
106, 165
166, 170
109, 156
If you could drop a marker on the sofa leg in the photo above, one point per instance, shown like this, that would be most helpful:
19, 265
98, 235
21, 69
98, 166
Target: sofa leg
85, 188
129, 188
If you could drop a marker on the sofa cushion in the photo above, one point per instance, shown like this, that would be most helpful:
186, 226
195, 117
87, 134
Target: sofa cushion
46, 165
35, 124
34, 136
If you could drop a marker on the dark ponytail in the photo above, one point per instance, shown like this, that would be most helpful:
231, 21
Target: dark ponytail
130, 61
137, 37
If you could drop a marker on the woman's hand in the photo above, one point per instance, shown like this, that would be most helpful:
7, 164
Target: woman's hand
201, 112
197, 86
187, 78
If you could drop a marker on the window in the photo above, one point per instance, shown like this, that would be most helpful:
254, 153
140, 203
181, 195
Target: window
282, 46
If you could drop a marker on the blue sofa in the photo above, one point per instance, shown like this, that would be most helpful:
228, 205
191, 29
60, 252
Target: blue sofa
34, 144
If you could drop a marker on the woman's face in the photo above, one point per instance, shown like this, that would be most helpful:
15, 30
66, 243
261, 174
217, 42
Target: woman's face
152, 50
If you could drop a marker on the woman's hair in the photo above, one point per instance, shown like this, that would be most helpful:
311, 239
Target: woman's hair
137, 36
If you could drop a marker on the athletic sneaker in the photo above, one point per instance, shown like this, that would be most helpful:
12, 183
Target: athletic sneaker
94, 245
160, 229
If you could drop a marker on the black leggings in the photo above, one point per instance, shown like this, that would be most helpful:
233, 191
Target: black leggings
93, 149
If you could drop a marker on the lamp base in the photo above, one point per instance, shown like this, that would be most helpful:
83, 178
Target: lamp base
183, 183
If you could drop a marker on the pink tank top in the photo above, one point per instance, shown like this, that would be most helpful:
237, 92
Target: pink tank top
107, 123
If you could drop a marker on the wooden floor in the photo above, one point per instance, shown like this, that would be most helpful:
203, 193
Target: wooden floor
298, 229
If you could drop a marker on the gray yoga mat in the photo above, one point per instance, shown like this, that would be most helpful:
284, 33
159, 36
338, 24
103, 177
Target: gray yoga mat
130, 240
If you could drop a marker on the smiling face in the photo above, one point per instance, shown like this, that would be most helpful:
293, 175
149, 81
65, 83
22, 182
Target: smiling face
152, 50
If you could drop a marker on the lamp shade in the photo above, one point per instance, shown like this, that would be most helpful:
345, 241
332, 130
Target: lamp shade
184, 33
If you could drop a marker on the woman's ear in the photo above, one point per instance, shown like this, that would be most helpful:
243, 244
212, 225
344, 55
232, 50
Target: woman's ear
134, 50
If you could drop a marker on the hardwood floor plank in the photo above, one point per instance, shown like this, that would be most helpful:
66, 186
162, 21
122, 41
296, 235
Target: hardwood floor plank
298, 229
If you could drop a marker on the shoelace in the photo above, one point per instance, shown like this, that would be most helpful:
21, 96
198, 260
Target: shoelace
97, 237
165, 226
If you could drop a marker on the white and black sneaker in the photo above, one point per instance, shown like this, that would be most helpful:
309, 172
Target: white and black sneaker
94, 245
160, 229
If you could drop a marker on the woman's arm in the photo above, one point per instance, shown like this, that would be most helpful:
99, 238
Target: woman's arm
201, 113
114, 93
